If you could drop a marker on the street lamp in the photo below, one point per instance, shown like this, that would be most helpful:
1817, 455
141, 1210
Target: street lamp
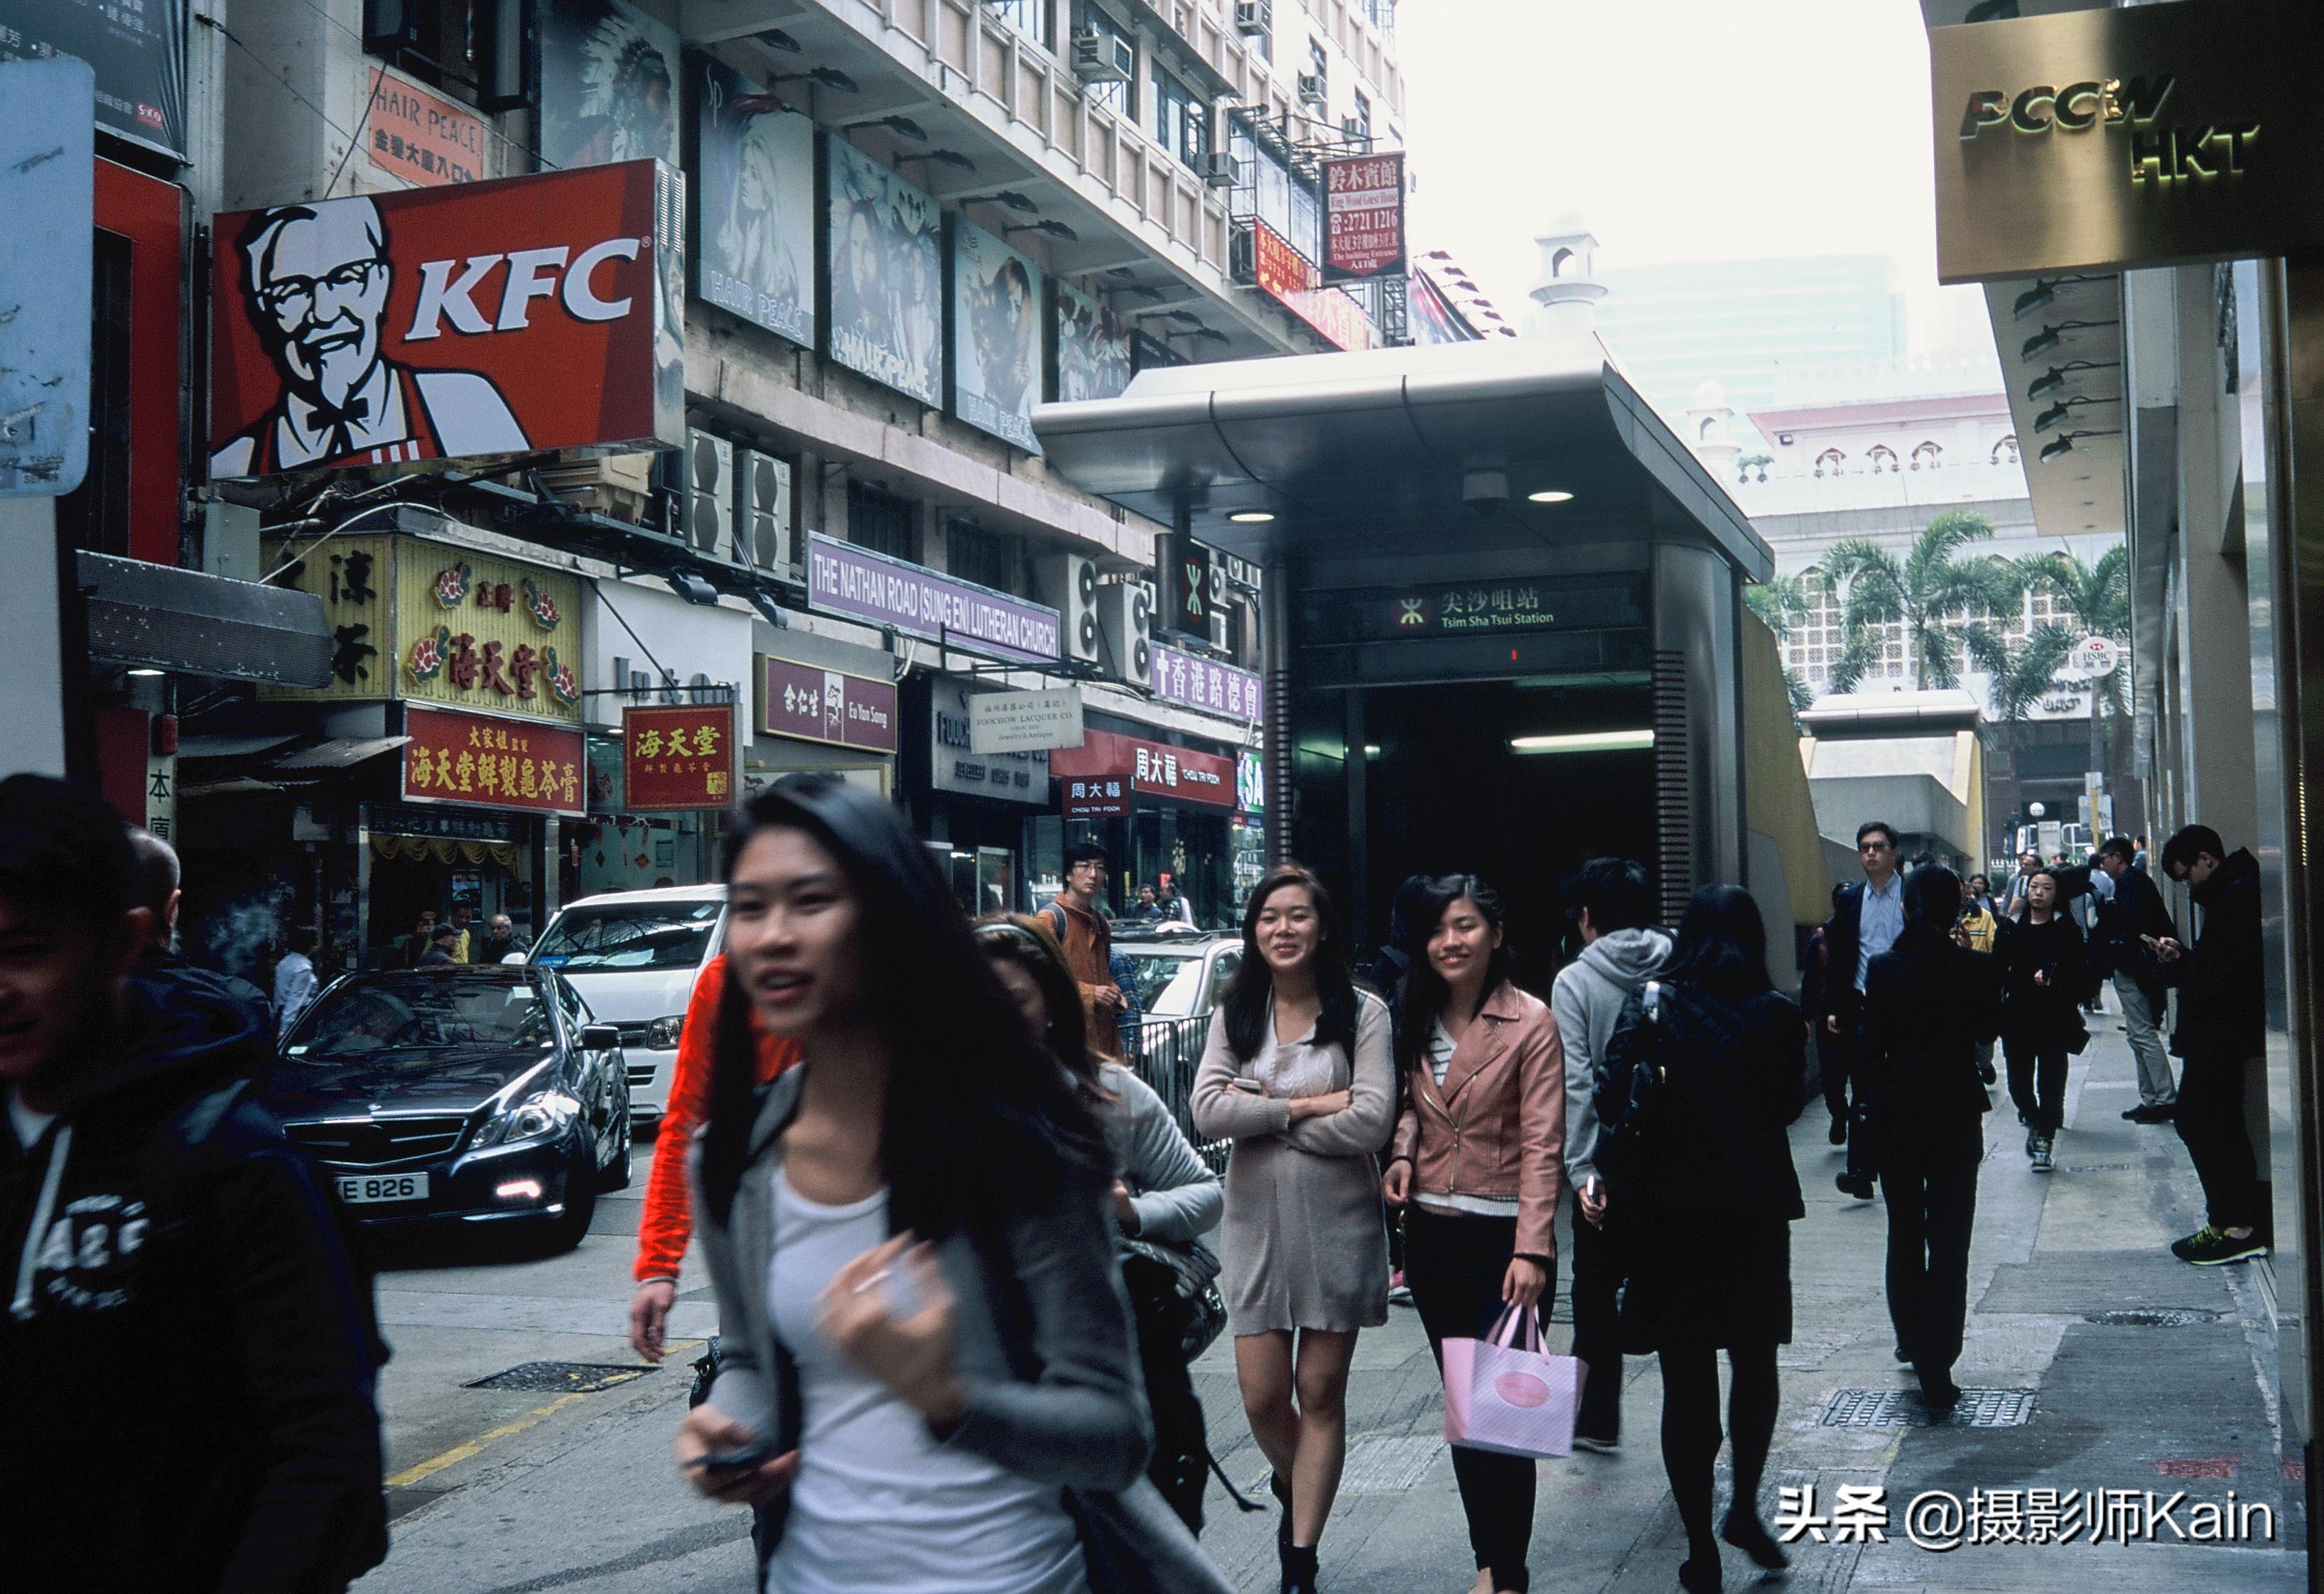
829, 77
1009, 198
2048, 339
1055, 229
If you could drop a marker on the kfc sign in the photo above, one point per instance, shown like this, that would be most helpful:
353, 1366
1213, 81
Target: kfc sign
484, 318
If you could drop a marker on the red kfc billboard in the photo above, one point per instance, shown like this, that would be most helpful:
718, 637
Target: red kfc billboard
483, 318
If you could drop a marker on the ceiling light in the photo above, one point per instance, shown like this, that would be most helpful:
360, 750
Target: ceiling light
2054, 378
1585, 742
2037, 297
1251, 516
901, 124
2056, 449
143, 673
1055, 229
776, 39
2048, 339
2053, 416
1550, 495
829, 77
949, 157
1372, 750
1009, 198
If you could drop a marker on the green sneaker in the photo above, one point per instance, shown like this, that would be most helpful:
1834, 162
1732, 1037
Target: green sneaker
2209, 1247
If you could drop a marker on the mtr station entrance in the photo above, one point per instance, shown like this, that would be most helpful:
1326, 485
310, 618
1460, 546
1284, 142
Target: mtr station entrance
1503, 621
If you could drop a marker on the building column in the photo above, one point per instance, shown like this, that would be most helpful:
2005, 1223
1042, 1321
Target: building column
1694, 608
2213, 599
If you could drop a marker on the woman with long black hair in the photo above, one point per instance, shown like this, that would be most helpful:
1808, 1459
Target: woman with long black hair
928, 1381
1297, 1073
1702, 1193
2046, 974
1478, 1154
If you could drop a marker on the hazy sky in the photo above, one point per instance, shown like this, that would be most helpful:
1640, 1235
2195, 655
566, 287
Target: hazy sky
1677, 129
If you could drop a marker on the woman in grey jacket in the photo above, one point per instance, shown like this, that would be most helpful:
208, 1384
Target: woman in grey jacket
929, 1382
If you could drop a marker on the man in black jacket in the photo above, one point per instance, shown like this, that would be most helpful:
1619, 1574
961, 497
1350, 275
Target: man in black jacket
187, 1359
2129, 922
1867, 918
2222, 1032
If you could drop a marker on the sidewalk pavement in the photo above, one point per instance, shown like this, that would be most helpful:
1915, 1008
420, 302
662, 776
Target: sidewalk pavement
2130, 1371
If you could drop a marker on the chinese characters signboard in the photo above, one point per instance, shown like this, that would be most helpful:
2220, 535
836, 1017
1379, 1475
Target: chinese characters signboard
1585, 603
1205, 684
138, 50
1289, 276
475, 319
1363, 218
1154, 768
1017, 770
679, 758
355, 576
1105, 797
855, 581
816, 705
419, 136
491, 763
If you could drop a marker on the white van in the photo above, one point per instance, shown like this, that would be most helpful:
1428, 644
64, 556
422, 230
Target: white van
634, 957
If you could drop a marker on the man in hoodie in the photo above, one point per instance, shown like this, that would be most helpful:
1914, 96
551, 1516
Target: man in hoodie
187, 1362
2222, 1034
1611, 900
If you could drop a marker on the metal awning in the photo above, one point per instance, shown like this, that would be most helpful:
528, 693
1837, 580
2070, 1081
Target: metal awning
340, 753
1392, 449
160, 617
225, 746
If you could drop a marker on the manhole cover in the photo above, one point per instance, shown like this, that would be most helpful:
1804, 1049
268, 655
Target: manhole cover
2093, 1168
2168, 1317
1902, 1408
562, 1377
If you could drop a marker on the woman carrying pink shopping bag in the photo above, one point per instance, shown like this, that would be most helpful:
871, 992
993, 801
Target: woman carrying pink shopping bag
1504, 1393
1477, 1155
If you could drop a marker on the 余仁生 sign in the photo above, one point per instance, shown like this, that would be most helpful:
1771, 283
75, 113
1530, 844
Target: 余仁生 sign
1363, 218
442, 323
1289, 277
492, 763
1025, 722
678, 757
816, 705
2140, 135
845, 579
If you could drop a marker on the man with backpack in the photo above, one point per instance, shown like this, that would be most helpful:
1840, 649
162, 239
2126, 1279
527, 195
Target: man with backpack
188, 1357
1088, 941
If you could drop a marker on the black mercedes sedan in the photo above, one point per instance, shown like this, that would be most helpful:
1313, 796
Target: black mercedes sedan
478, 1094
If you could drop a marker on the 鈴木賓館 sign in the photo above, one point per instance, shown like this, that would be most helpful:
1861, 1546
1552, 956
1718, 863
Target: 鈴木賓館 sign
860, 584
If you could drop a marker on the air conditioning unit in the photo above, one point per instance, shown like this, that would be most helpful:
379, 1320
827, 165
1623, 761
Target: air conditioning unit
763, 511
707, 502
1216, 168
1100, 57
1254, 16
1125, 618
615, 485
1067, 583
1312, 90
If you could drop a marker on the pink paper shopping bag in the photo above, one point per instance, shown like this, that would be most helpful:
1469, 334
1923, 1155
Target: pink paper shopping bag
1504, 1393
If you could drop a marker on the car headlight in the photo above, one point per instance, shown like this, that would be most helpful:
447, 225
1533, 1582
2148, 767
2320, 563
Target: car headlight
661, 1033
542, 1116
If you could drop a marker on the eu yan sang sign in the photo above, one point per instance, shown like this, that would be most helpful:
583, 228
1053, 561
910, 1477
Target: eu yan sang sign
2150, 135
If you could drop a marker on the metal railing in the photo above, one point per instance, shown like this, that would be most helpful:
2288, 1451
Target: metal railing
1166, 1055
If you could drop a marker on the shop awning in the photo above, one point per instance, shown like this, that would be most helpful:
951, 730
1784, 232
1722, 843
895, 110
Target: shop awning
233, 747
160, 617
341, 754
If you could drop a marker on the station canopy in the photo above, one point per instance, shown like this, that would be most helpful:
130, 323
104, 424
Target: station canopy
1391, 452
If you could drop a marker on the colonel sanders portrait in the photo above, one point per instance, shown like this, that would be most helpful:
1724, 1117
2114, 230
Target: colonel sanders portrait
315, 279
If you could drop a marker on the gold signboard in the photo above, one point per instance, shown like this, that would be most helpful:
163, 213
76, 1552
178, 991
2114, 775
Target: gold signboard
436, 622
2148, 135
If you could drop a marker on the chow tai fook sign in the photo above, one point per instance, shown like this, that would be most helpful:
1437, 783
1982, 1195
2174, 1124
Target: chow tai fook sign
811, 704
1289, 277
492, 763
860, 585
1205, 684
1156, 769
679, 758
1363, 218
1096, 797
441, 323
2148, 136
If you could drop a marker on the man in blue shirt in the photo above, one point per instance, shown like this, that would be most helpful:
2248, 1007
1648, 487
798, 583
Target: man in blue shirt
1866, 921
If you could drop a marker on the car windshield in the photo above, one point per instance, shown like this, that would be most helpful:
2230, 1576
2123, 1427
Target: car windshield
630, 936
425, 1015
1168, 981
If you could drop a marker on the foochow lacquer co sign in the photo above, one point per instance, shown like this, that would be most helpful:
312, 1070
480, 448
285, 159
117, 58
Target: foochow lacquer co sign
469, 320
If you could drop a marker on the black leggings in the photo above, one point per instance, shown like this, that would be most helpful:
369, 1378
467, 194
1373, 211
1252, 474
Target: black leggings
2037, 1082
1454, 1263
1690, 1433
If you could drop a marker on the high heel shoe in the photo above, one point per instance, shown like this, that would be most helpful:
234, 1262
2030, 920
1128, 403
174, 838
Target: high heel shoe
1298, 1569
1700, 1577
1282, 1493
1748, 1535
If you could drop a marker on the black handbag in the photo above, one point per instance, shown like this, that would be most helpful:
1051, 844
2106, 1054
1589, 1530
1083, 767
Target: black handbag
1188, 1273
1627, 1141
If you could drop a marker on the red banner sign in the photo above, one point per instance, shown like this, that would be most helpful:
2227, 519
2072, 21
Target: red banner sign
824, 705
1363, 218
678, 758
1155, 767
491, 763
440, 323
1290, 278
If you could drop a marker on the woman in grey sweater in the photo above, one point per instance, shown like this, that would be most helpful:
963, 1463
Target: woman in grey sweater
1297, 1073
930, 1382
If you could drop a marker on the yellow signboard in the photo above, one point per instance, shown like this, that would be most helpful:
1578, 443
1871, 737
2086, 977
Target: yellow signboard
355, 576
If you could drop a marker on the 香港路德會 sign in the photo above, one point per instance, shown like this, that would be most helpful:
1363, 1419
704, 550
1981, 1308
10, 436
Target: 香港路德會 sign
676, 758
860, 585
453, 757
1205, 684
1024, 722
1363, 218
1290, 279
469, 320
1154, 768
812, 704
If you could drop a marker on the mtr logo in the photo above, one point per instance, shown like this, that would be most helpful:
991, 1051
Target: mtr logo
2157, 154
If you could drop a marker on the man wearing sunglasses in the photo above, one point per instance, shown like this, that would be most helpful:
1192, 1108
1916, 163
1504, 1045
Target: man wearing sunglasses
1866, 919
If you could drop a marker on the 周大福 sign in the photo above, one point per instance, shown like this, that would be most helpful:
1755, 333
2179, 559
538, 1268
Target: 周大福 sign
678, 758
442, 323
1097, 797
2145, 135
468, 757
1024, 722
1156, 769
854, 581
816, 705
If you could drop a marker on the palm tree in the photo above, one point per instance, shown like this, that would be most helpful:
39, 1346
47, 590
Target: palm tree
2020, 677
2095, 599
1931, 586
1783, 602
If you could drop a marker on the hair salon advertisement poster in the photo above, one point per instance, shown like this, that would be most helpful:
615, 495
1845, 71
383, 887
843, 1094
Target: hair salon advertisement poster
608, 84
996, 320
887, 276
479, 320
1094, 350
755, 226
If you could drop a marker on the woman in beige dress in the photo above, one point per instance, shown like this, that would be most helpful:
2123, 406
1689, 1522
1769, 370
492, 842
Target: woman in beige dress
1297, 1073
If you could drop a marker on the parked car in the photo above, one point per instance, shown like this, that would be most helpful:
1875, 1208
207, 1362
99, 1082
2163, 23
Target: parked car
1181, 973
481, 1094
635, 955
